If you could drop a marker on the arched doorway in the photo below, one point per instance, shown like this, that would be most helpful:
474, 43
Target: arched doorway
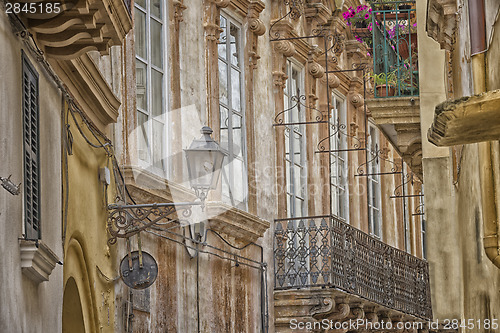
72, 321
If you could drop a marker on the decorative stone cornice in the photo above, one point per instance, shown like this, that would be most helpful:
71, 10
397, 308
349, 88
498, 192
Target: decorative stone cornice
442, 22
317, 11
88, 25
90, 89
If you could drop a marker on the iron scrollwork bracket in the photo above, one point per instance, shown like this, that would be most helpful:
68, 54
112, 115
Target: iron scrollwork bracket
125, 221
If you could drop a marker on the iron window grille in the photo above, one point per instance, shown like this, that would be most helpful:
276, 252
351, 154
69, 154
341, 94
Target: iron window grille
232, 114
31, 144
151, 84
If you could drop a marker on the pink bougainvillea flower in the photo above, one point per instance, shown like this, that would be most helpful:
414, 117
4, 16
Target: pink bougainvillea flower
368, 54
367, 16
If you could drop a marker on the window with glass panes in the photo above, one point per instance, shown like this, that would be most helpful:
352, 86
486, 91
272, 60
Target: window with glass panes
338, 159
150, 43
295, 152
422, 223
406, 209
232, 115
374, 189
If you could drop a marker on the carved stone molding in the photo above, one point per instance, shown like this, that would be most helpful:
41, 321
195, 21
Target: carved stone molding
220, 3
442, 21
256, 26
86, 25
285, 47
313, 305
37, 260
179, 8
357, 100
90, 89
333, 81
316, 70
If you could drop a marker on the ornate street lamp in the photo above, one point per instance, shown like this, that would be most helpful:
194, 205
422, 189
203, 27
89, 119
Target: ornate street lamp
204, 162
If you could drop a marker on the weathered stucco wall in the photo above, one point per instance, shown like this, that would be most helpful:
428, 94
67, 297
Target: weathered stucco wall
464, 282
89, 258
26, 306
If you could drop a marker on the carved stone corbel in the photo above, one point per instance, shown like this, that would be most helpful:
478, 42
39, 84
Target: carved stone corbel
316, 70
256, 28
179, 8
285, 47
324, 306
357, 100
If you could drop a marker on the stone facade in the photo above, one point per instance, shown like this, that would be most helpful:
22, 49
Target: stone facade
220, 275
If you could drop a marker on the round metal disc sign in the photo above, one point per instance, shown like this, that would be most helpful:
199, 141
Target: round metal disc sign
135, 276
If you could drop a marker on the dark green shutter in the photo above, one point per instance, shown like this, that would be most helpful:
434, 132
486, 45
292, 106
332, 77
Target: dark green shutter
31, 151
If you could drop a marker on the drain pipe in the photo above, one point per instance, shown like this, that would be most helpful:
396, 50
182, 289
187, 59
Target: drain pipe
488, 152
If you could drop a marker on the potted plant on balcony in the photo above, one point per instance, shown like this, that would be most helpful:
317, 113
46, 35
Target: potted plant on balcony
385, 83
359, 20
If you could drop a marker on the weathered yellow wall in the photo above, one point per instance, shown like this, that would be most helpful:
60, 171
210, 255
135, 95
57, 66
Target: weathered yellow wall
86, 248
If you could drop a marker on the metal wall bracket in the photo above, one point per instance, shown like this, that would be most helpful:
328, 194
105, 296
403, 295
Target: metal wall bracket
10, 186
125, 221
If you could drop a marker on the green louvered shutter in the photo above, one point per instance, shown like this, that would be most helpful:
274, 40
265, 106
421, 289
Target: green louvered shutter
31, 151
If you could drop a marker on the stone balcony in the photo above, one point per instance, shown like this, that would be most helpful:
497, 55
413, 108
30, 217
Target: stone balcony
399, 120
327, 269
79, 26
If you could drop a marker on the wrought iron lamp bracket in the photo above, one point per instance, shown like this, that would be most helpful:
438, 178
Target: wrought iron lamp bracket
125, 221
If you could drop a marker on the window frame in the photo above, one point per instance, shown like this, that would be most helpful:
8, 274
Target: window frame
374, 184
164, 118
229, 174
339, 142
291, 192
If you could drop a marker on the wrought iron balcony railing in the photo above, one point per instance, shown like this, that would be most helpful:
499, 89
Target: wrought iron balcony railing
326, 252
395, 49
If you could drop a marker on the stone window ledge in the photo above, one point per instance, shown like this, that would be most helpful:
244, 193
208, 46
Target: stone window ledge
466, 120
235, 223
37, 260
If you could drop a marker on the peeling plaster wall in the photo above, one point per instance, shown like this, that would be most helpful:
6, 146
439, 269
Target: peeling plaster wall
26, 306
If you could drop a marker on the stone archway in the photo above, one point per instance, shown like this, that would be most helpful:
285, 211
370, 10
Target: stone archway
72, 318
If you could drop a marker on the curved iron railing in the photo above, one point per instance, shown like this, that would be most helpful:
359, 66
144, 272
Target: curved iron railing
395, 49
326, 252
